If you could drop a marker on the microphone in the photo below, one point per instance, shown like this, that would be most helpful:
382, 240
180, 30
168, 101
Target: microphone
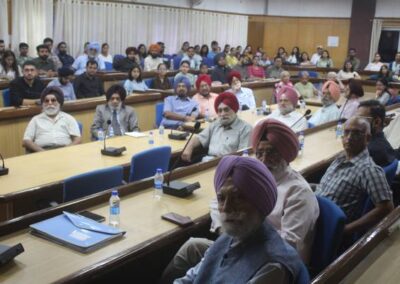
179, 188
3, 169
192, 111
111, 151
304, 115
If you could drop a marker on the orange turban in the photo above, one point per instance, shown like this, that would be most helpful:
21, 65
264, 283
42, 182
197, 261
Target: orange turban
333, 89
154, 47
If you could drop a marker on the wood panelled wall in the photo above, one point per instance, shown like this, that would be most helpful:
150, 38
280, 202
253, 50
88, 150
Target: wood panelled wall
307, 33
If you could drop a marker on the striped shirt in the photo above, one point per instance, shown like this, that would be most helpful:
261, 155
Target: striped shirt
348, 182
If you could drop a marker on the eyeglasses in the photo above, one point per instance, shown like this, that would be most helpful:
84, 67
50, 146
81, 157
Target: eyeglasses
46, 101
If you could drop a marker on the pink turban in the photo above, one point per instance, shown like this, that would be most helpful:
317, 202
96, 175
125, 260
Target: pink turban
290, 93
203, 78
279, 135
333, 89
227, 98
251, 177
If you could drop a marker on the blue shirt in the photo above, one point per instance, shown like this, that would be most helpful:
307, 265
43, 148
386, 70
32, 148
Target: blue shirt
245, 96
131, 86
211, 54
182, 106
80, 64
68, 89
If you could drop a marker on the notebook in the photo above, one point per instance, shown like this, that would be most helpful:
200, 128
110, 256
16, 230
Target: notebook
76, 232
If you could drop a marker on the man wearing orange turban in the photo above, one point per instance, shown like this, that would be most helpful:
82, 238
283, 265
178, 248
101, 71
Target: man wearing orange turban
329, 111
205, 98
152, 60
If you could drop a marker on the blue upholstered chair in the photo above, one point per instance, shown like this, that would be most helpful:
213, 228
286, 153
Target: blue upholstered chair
149, 82
159, 113
390, 171
208, 61
109, 66
177, 62
92, 182
328, 235
6, 97
145, 163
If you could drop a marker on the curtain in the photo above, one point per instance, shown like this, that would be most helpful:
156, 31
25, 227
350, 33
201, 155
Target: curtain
4, 21
32, 21
375, 35
123, 25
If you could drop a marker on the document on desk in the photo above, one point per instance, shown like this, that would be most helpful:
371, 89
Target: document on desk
136, 134
76, 232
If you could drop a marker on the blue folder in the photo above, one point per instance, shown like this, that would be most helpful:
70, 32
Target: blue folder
76, 231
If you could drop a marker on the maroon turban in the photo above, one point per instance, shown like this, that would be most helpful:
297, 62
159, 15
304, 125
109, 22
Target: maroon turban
203, 78
279, 135
227, 98
290, 93
234, 74
251, 177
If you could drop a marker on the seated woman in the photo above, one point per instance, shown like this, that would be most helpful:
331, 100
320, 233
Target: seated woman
184, 72
305, 59
354, 91
255, 71
134, 81
385, 73
348, 72
264, 61
305, 88
231, 58
203, 69
161, 82
382, 93
294, 57
375, 65
325, 61
9, 69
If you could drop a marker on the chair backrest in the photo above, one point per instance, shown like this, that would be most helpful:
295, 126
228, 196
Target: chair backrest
159, 113
328, 234
6, 97
92, 182
390, 171
208, 61
177, 62
149, 82
119, 56
145, 163
109, 66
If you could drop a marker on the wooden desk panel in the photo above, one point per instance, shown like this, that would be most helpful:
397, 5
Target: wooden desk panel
316, 101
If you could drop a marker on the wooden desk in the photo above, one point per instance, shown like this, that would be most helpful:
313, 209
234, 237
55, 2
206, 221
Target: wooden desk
140, 216
316, 101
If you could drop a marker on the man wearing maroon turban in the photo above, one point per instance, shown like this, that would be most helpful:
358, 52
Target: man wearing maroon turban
250, 250
205, 98
226, 135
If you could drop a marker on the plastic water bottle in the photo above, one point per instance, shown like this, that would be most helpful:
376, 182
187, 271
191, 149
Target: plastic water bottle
171, 65
110, 131
245, 153
302, 106
339, 130
161, 129
301, 143
264, 106
207, 115
100, 134
158, 184
151, 138
114, 209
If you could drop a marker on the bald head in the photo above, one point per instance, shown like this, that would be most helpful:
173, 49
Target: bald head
361, 122
357, 132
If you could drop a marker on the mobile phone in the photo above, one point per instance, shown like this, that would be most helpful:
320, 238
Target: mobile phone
177, 219
93, 216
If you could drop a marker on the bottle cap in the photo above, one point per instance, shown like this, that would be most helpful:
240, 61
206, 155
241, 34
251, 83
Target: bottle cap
159, 170
114, 192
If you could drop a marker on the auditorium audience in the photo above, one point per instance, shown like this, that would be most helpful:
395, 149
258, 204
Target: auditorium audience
184, 72
52, 128
197, 49
53, 56
305, 59
382, 93
226, 135
123, 118
395, 67
153, 58
45, 66
193, 59
135, 81
161, 81
280, 51
65, 76
124, 64
142, 52
231, 58
66, 59
325, 60
23, 54
264, 61
205, 98
384, 73
220, 71
26, 90
88, 85
203, 69
179, 108
355, 62
305, 88
284, 82
255, 70
316, 56
352, 176
348, 72
2, 47
184, 48
286, 112
353, 92
214, 50
244, 95
294, 57
275, 70
9, 68
204, 50
329, 111
375, 65
80, 63
105, 54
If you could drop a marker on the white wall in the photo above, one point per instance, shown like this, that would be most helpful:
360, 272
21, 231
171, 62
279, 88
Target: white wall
387, 9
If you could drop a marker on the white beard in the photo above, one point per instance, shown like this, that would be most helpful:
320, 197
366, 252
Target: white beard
51, 111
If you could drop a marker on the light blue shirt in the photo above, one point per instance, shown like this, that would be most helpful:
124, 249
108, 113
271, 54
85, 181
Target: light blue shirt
131, 86
325, 114
211, 54
80, 64
245, 96
182, 106
195, 61
68, 89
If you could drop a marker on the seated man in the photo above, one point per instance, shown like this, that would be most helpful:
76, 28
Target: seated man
26, 90
250, 250
88, 85
286, 112
329, 111
152, 60
244, 95
65, 75
220, 71
53, 56
92, 53
23, 54
353, 176
193, 58
66, 59
180, 108
52, 128
123, 118
205, 98
226, 135
305, 88
275, 70
126, 63
379, 148
46, 67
